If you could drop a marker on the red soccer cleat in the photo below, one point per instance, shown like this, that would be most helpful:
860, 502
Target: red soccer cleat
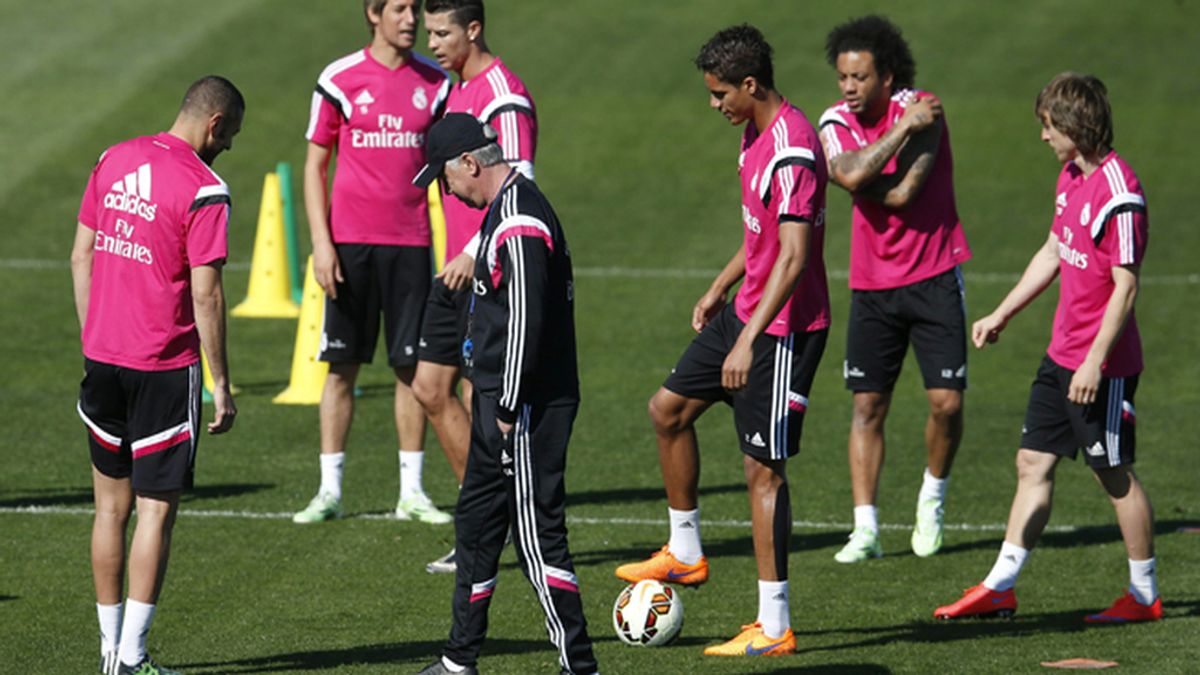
980, 601
1128, 610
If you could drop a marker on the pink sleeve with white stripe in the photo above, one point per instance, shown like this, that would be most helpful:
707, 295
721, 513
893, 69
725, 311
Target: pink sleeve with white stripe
1125, 237
206, 237
797, 187
323, 122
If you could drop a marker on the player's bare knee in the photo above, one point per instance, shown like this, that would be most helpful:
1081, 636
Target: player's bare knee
945, 404
431, 397
666, 417
1035, 467
869, 412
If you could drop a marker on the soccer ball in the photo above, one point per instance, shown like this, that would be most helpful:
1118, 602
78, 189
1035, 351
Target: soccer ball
648, 614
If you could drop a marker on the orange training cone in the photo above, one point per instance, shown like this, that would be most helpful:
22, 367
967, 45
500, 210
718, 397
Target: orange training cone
269, 294
308, 374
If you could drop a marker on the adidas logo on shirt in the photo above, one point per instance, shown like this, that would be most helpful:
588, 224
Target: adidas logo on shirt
132, 194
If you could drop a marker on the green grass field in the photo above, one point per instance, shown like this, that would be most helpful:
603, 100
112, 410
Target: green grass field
643, 177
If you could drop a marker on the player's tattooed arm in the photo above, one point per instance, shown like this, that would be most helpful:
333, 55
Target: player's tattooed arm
914, 165
856, 169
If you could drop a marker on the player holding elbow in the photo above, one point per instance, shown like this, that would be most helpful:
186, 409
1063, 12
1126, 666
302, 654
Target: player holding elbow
759, 353
1082, 395
888, 145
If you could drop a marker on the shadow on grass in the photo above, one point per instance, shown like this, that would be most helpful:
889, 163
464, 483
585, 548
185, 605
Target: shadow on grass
83, 496
1080, 536
626, 495
6, 598
420, 653
713, 548
971, 629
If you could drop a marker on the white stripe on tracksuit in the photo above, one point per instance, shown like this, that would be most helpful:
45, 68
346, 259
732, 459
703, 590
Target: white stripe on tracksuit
527, 528
514, 359
1112, 423
780, 388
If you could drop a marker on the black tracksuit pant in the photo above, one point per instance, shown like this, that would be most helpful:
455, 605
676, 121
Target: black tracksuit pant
517, 481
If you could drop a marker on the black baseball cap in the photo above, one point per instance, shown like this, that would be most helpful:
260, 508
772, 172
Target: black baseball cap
448, 139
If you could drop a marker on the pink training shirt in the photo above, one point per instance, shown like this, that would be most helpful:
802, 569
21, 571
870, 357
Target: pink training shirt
158, 210
1100, 221
498, 98
890, 248
377, 119
783, 175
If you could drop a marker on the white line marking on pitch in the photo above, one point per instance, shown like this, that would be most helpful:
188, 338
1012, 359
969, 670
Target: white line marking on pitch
579, 520
653, 272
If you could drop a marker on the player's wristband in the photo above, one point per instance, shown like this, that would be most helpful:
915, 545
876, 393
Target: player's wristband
505, 415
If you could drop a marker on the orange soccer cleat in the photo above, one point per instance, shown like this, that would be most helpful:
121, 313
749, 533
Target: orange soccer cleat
980, 601
664, 567
753, 642
1128, 610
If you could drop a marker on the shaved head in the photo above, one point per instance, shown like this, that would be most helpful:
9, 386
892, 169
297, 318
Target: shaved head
210, 95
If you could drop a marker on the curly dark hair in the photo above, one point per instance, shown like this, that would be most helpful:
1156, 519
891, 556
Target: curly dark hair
736, 53
875, 34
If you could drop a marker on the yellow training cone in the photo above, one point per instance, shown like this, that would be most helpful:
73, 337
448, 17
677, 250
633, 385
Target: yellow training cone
437, 225
209, 384
269, 295
308, 374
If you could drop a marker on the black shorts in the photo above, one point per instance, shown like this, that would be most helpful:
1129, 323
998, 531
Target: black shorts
444, 325
1104, 429
769, 413
393, 280
930, 313
143, 424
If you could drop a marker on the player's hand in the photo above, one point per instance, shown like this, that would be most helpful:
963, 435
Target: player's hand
458, 272
504, 427
735, 372
225, 413
327, 269
922, 113
706, 308
1084, 384
987, 330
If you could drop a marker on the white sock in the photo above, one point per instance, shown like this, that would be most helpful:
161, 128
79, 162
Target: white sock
138, 616
331, 473
452, 666
932, 488
773, 608
1143, 581
1008, 565
866, 517
410, 473
110, 626
685, 536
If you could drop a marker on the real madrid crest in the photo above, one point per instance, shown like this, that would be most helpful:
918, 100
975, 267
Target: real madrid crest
1085, 216
419, 100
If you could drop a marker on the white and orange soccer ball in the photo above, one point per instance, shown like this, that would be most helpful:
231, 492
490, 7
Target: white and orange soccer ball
648, 614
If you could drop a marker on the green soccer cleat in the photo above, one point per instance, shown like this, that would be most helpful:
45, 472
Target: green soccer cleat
146, 667
322, 507
927, 530
863, 545
419, 507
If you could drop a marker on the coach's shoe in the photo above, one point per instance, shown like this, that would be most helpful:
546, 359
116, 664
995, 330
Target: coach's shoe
439, 668
419, 507
753, 642
146, 667
447, 564
322, 507
927, 530
109, 663
980, 601
1128, 610
863, 545
663, 566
